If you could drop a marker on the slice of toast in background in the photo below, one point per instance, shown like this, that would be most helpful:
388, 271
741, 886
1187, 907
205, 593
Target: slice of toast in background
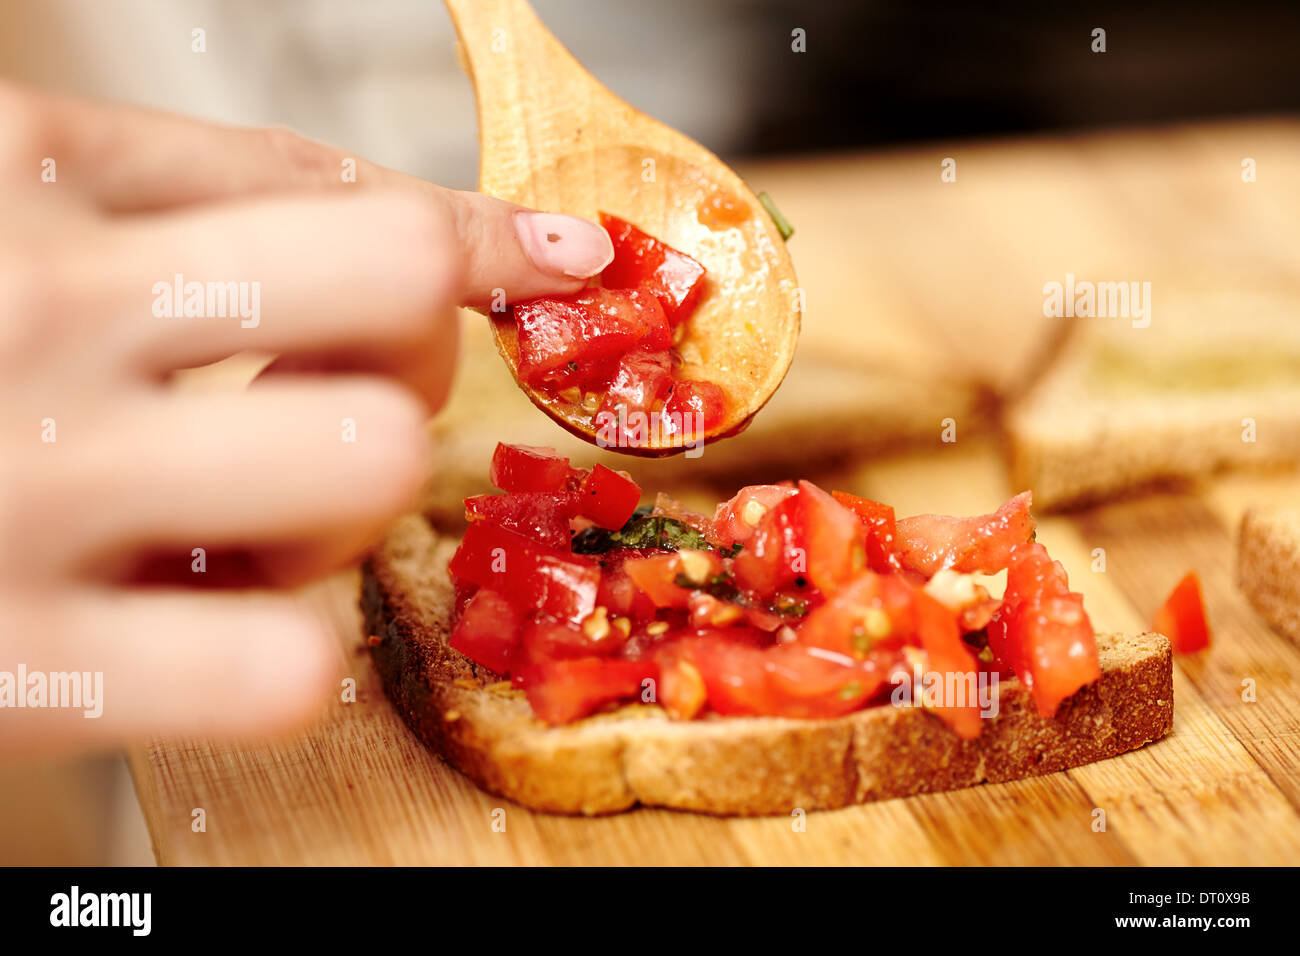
733, 765
1268, 566
1212, 383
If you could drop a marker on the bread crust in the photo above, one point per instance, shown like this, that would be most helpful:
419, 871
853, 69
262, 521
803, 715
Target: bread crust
722, 765
1268, 566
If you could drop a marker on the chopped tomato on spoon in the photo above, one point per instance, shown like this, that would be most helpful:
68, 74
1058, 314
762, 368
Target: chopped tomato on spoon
611, 351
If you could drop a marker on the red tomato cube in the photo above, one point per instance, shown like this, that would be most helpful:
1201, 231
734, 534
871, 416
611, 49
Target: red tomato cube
1182, 617
577, 340
704, 402
524, 468
487, 631
608, 497
533, 577
641, 260
543, 517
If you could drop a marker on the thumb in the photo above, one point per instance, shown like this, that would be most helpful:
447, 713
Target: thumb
519, 252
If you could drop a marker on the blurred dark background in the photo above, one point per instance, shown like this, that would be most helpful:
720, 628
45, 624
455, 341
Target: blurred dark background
888, 71
381, 76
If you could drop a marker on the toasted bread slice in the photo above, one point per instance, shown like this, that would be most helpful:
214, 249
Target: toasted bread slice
1268, 566
1213, 382
725, 765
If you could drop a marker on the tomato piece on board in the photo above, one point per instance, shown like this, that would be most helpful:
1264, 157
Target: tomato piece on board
882, 529
1182, 617
694, 408
487, 631
542, 516
562, 691
532, 576
608, 497
575, 341
640, 260
525, 468
1042, 631
927, 543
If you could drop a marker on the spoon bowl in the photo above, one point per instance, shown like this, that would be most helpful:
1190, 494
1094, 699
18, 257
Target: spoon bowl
553, 138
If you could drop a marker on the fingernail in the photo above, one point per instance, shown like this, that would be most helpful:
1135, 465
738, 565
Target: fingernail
564, 245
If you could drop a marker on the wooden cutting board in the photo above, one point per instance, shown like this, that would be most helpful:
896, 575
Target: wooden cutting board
880, 238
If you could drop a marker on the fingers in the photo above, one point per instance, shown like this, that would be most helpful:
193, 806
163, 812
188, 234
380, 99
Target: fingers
133, 160
512, 253
275, 275
426, 371
286, 461
128, 159
171, 663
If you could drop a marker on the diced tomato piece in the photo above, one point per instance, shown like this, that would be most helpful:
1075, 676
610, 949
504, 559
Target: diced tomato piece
881, 529
806, 535
708, 611
487, 631
524, 468
618, 592
783, 680
976, 617
642, 378
462, 592
832, 537
658, 334
562, 691
773, 557
551, 640
765, 620
658, 576
1042, 631
1182, 617
874, 611
694, 408
926, 543
608, 497
681, 689
542, 516
735, 521
950, 657
533, 577
640, 260
584, 329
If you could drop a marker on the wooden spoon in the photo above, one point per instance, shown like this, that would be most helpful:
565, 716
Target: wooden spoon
555, 139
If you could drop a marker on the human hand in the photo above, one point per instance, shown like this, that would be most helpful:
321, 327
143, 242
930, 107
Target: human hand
111, 478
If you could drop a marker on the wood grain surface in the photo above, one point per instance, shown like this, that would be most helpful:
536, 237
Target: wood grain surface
926, 266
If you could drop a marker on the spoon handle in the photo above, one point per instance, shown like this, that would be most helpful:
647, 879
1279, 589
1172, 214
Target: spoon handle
533, 97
